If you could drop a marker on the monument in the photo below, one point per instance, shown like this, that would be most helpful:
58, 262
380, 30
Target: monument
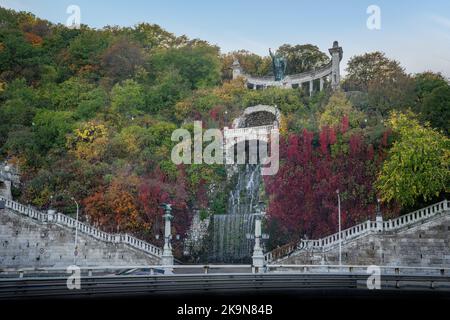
311, 80
279, 64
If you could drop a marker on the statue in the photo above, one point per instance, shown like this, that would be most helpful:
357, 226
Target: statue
278, 65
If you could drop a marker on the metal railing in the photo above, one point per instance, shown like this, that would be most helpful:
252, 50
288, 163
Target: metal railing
305, 277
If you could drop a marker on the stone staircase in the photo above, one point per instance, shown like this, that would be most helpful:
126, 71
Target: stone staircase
360, 232
57, 223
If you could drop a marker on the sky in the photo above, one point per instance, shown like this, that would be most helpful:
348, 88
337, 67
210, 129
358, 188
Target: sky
414, 32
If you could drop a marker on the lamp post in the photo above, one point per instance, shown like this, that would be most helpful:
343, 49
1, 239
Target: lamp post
167, 256
258, 256
75, 251
339, 220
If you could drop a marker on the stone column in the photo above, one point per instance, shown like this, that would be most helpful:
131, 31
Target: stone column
379, 217
258, 255
237, 70
311, 87
167, 256
321, 84
51, 215
336, 57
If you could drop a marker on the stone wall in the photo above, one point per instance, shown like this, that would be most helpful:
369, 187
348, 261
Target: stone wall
25, 242
426, 245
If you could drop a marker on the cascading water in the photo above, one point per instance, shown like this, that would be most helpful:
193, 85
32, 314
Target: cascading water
230, 243
227, 232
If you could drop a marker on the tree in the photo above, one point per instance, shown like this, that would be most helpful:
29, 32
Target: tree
170, 88
336, 109
152, 36
426, 82
127, 98
433, 100
18, 57
89, 141
121, 59
395, 92
90, 103
251, 63
363, 69
417, 168
51, 127
301, 58
303, 192
198, 63
85, 51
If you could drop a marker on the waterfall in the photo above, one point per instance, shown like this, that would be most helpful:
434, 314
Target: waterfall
229, 231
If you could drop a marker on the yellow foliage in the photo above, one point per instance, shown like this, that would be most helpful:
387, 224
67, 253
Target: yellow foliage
89, 142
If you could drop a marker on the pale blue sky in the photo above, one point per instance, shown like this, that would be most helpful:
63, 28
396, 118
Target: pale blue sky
417, 33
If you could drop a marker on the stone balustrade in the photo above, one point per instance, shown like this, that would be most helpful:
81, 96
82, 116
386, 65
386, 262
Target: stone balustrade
250, 131
363, 229
63, 220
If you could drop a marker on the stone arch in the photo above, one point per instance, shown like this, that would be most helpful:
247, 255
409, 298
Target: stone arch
259, 115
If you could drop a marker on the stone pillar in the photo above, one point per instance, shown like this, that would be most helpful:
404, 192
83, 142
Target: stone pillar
237, 70
379, 218
321, 84
51, 215
167, 256
336, 57
258, 256
311, 87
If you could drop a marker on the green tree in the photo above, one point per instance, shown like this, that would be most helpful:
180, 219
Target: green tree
301, 58
169, 88
417, 168
436, 108
128, 98
426, 82
363, 69
86, 49
197, 63
51, 127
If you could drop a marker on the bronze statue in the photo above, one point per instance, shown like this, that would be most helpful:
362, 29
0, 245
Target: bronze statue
278, 65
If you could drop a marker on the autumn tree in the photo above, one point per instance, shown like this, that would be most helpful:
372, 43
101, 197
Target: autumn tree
251, 63
312, 168
337, 108
121, 59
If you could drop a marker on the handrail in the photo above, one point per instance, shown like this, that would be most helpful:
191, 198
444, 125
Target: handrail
397, 269
61, 219
368, 227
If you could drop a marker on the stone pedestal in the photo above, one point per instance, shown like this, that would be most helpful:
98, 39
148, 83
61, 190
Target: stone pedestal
258, 255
